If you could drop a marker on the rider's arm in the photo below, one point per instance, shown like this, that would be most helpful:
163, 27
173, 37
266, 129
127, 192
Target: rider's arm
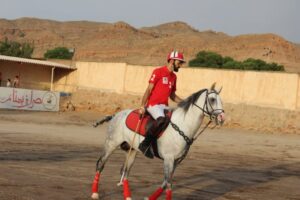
146, 95
175, 98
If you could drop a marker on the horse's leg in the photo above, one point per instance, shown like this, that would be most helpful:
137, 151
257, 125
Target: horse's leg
168, 171
129, 163
169, 168
108, 149
155, 195
130, 157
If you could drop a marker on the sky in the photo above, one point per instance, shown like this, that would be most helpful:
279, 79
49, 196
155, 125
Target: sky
233, 17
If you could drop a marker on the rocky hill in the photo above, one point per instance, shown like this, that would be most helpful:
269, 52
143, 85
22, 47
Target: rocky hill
120, 42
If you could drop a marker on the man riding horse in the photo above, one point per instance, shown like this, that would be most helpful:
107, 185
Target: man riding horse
162, 85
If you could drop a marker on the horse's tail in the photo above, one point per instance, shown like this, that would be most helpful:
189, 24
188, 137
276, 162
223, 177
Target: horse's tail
101, 121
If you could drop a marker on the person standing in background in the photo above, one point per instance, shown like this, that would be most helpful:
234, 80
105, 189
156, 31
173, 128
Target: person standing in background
16, 82
8, 83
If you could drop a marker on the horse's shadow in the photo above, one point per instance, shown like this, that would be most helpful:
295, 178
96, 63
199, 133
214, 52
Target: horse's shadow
216, 183
211, 181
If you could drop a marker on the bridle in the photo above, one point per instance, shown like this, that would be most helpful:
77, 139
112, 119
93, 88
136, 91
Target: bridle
205, 109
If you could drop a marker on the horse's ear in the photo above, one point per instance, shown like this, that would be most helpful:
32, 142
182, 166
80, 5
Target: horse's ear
213, 86
220, 90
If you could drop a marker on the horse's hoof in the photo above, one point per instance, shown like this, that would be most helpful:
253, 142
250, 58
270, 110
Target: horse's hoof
95, 196
119, 184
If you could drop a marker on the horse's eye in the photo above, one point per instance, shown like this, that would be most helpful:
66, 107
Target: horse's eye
212, 100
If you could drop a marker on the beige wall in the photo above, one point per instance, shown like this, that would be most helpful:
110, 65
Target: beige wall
298, 91
136, 79
268, 89
101, 76
65, 80
31, 76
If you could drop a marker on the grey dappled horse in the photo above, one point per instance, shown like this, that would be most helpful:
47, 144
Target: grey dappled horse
172, 146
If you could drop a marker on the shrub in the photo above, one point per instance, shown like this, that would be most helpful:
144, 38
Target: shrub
227, 59
12, 48
232, 65
208, 59
214, 60
59, 53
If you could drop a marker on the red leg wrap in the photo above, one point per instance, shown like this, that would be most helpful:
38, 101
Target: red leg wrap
96, 183
156, 194
168, 194
126, 190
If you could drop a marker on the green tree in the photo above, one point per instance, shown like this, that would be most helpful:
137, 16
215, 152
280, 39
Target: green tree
27, 50
227, 59
232, 65
254, 64
16, 49
59, 53
207, 59
276, 67
214, 60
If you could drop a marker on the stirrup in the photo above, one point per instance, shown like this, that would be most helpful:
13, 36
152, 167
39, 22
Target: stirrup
146, 150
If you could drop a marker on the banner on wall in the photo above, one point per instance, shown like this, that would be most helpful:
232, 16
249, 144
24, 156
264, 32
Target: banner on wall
24, 99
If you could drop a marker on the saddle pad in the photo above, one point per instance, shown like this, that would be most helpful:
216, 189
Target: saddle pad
132, 121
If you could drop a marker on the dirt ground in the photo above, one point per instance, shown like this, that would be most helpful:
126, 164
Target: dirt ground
51, 156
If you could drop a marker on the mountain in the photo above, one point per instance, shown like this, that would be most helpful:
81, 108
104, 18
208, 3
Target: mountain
121, 42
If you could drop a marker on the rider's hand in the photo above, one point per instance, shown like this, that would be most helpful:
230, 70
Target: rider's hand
142, 110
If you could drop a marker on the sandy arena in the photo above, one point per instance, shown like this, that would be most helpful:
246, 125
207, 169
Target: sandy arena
51, 156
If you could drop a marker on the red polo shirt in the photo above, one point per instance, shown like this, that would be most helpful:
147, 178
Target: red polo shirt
164, 84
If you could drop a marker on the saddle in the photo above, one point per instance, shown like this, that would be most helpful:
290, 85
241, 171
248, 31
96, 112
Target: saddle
132, 121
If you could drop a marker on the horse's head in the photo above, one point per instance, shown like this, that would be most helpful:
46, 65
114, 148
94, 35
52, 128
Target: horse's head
213, 105
208, 101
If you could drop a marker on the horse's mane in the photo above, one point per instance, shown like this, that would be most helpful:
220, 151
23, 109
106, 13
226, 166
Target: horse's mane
186, 103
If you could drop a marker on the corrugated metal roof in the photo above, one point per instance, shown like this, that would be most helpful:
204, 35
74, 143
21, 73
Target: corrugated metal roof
34, 61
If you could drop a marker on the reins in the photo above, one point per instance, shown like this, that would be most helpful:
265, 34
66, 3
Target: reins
189, 141
186, 138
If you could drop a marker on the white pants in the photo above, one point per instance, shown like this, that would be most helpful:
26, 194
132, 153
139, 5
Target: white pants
157, 110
